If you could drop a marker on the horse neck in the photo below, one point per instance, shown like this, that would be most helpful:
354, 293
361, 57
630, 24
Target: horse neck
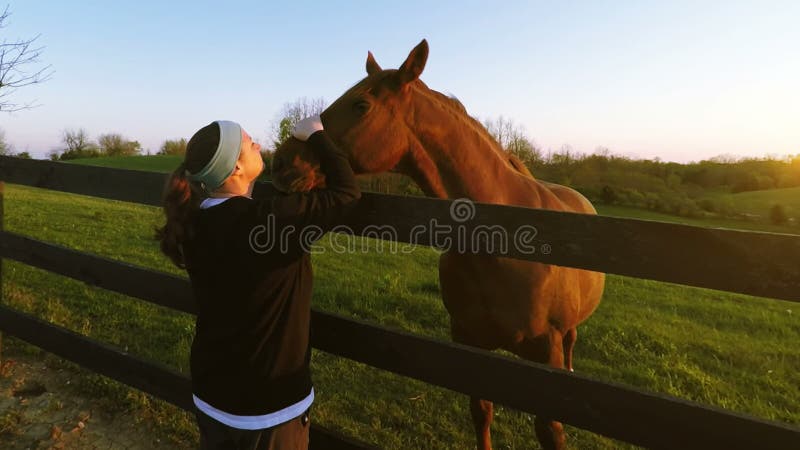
453, 157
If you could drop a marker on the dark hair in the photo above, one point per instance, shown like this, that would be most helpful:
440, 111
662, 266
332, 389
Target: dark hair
182, 197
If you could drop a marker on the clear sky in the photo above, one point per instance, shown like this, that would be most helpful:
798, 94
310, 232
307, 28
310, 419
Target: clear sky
679, 80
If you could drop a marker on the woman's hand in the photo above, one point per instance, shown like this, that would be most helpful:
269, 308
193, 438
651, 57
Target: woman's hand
306, 127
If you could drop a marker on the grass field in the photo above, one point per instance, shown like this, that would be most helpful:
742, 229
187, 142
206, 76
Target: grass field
644, 214
716, 348
153, 163
759, 202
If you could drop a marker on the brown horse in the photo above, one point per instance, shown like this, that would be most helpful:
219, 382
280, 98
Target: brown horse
391, 121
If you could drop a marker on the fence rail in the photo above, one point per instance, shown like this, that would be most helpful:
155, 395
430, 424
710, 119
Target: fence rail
762, 264
621, 412
146, 376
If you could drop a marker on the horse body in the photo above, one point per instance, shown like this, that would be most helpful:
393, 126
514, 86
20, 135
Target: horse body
392, 121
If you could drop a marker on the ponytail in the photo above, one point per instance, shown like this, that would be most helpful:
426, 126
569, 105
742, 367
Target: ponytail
181, 201
182, 197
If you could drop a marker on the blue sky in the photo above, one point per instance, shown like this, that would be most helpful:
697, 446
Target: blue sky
677, 80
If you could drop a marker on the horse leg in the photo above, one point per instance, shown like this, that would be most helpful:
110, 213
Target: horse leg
482, 416
547, 349
482, 410
569, 344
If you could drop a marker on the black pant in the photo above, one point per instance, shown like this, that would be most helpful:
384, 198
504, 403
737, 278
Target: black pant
291, 435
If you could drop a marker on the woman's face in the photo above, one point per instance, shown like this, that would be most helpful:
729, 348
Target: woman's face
250, 157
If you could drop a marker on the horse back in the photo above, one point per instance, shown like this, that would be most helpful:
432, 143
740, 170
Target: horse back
572, 200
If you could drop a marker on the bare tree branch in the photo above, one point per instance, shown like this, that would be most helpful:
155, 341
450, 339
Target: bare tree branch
290, 114
15, 58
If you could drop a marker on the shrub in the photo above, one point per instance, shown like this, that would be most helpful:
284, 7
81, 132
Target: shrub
608, 195
113, 144
777, 215
87, 152
173, 147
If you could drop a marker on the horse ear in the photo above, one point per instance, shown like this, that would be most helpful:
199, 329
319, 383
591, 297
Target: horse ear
372, 65
414, 64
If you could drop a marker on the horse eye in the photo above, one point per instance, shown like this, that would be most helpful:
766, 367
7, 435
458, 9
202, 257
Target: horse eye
361, 107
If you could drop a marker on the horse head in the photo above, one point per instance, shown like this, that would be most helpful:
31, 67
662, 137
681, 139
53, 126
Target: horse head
371, 122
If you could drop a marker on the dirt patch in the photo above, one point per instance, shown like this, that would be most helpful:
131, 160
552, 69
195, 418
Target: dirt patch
39, 410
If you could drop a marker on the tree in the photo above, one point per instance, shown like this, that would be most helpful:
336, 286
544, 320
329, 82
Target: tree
523, 148
5, 147
113, 144
78, 145
173, 147
284, 131
513, 139
16, 58
76, 140
267, 157
291, 113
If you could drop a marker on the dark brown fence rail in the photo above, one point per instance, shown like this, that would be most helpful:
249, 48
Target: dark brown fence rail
647, 419
763, 264
146, 376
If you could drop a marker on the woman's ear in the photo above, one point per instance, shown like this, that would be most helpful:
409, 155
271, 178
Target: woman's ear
238, 168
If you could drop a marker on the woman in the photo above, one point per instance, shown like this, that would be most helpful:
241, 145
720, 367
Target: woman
250, 354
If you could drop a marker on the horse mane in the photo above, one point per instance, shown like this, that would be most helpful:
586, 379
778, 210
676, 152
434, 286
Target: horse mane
452, 103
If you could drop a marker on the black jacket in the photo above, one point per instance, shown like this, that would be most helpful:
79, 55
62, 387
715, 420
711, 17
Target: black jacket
251, 278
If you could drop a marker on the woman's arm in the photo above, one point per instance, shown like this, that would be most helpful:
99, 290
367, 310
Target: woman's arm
319, 207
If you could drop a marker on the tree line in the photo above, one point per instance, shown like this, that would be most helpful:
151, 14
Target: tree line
680, 189
603, 177
78, 144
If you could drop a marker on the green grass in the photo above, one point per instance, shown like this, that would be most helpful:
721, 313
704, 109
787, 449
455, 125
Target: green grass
153, 163
716, 348
759, 202
644, 214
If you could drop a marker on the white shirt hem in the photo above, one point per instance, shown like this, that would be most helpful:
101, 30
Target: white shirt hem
256, 422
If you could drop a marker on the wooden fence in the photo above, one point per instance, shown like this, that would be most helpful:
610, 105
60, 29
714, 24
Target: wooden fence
760, 264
